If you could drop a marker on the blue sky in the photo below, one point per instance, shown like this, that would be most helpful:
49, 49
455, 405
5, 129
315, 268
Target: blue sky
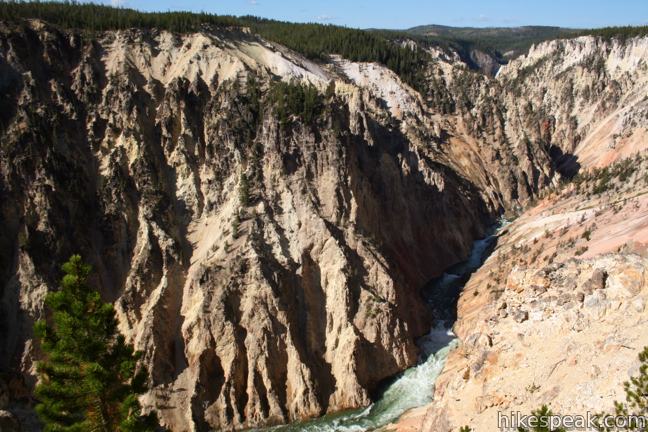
408, 13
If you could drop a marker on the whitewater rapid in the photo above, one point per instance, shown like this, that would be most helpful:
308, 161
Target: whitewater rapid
414, 387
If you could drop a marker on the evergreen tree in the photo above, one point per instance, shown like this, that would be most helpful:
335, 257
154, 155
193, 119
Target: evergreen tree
636, 405
543, 415
315, 41
89, 379
295, 99
244, 190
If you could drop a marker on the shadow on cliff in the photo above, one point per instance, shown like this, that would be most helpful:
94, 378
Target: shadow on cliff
565, 163
422, 226
304, 299
90, 211
442, 293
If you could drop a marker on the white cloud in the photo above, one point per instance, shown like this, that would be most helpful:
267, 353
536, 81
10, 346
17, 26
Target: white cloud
117, 3
253, 2
324, 17
483, 18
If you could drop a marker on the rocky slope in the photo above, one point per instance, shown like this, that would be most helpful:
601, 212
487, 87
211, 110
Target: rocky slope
583, 100
268, 270
591, 93
557, 314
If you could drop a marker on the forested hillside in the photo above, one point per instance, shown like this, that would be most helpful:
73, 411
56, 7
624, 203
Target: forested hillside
504, 41
314, 41
510, 42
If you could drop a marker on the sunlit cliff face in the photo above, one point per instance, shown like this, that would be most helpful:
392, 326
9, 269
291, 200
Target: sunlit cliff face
302, 297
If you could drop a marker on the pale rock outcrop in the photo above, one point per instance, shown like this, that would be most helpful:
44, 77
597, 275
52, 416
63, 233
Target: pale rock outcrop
557, 313
588, 95
554, 356
130, 149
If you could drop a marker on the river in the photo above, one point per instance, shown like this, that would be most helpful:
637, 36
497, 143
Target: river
414, 387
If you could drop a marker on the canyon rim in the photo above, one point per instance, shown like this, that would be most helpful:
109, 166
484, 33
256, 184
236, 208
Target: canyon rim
268, 257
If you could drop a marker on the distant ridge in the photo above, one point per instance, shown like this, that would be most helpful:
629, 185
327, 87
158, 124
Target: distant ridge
317, 41
508, 42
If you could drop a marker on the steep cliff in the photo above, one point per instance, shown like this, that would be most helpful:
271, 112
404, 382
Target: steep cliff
269, 268
557, 314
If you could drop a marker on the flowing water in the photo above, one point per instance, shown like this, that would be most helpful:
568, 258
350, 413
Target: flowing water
414, 387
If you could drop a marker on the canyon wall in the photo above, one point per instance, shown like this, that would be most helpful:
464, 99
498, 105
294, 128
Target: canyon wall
268, 269
269, 265
556, 314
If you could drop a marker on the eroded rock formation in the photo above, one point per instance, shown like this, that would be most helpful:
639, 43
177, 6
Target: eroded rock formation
556, 315
270, 268
134, 149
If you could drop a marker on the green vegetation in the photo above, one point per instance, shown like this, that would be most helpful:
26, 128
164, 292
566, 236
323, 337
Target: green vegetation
543, 416
604, 179
97, 17
633, 409
244, 190
636, 403
253, 98
314, 41
501, 42
295, 100
505, 43
616, 32
89, 377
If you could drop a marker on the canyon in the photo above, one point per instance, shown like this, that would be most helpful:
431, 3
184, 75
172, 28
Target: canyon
555, 316
271, 269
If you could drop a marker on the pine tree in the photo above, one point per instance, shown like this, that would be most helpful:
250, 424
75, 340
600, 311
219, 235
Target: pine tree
89, 378
635, 408
543, 415
315, 41
244, 190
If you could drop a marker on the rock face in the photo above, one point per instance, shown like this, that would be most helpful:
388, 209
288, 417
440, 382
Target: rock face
588, 95
582, 101
269, 271
268, 266
565, 333
8, 422
557, 314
